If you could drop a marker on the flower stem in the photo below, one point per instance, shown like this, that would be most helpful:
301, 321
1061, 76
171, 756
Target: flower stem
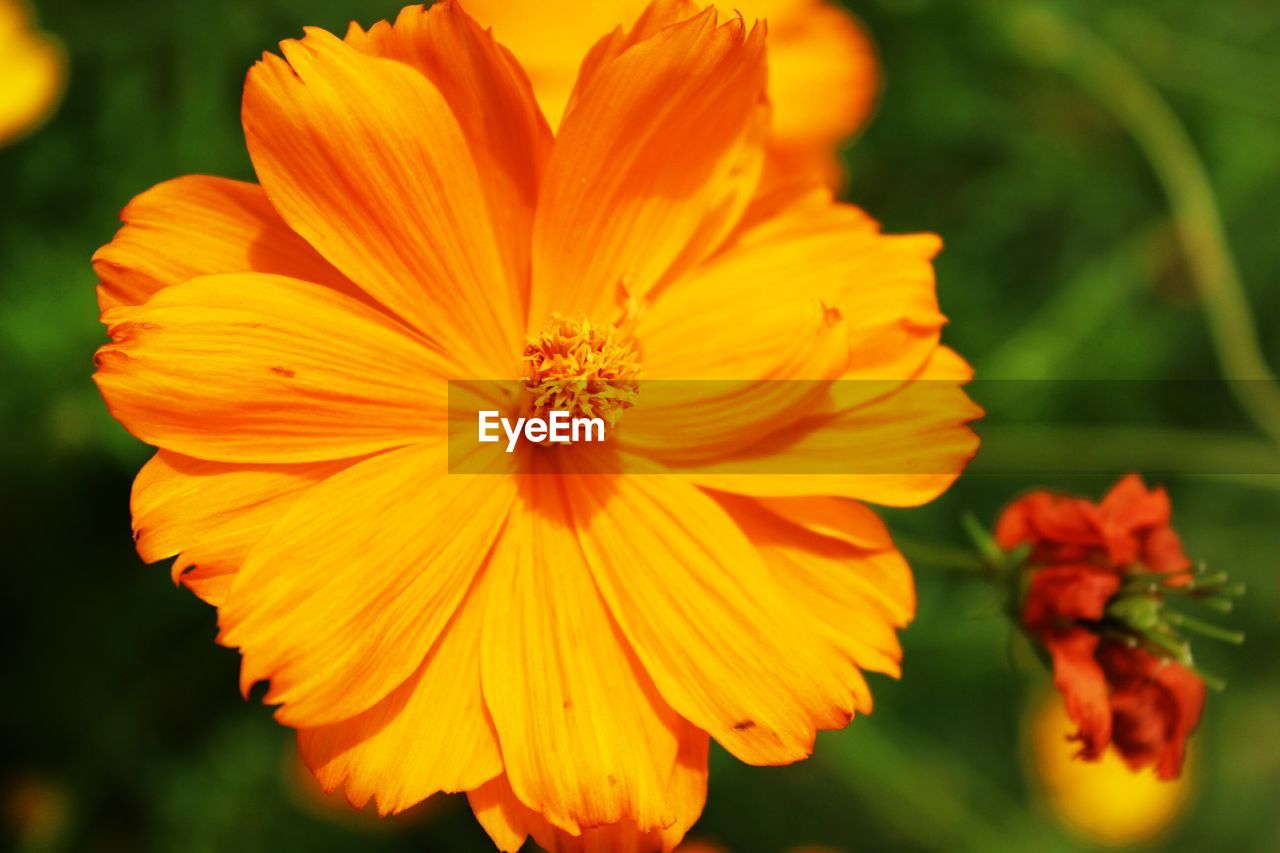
1045, 35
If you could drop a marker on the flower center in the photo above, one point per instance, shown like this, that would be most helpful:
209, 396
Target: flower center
585, 370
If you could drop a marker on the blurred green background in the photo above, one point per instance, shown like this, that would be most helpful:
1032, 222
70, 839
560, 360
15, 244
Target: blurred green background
1057, 146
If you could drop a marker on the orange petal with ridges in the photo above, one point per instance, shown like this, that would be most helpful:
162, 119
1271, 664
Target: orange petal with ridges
493, 102
258, 368
364, 158
639, 163
627, 24
509, 822
213, 513
502, 815
730, 317
345, 597
726, 646
823, 74
586, 739
687, 422
199, 225
550, 47
430, 734
901, 449
837, 518
858, 596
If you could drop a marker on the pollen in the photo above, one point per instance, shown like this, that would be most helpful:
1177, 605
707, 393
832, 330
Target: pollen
587, 370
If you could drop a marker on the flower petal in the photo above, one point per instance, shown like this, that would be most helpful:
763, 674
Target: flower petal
725, 645
1064, 593
690, 421
586, 739
837, 518
349, 592
1083, 684
509, 822
1187, 691
728, 318
430, 734
198, 225
258, 368
857, 596
550, 47
640, 163
503, 816
493, 102
364, 158
213, 513
901, 449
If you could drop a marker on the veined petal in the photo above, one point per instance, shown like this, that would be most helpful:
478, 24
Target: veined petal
258, 368
639, 164
364, 158
430, 734
857, 596
493, 102
586, 739
901, 449
946, 364
628, 23
726, 646
345, 597
509, 822
550, 47
741, 173
845, 520
728, 318
690, 421
502, 815
198, 225
213, 513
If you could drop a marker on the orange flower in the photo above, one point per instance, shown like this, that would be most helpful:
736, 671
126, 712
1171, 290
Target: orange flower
32, 68
561, 645
823, 78
1118, 693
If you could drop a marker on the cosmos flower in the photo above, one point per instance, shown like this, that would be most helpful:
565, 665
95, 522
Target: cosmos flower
1099, 575
559, 643
32, 68
823, 75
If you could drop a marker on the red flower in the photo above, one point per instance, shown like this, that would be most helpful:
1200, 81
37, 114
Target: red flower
1130, 525
1117, 692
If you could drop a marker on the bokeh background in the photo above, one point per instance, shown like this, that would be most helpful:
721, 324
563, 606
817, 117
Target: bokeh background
1090, 164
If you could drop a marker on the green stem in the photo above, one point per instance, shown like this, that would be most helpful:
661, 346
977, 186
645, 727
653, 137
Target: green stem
1044, 344
919, 552
1045, 35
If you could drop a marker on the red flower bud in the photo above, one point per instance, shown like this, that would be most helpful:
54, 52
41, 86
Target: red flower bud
1117, 692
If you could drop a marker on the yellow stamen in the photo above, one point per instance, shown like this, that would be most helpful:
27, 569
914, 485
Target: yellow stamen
588, 371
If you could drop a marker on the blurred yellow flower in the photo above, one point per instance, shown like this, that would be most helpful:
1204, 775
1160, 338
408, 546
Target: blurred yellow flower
32, 68
823, 78
1103, 800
